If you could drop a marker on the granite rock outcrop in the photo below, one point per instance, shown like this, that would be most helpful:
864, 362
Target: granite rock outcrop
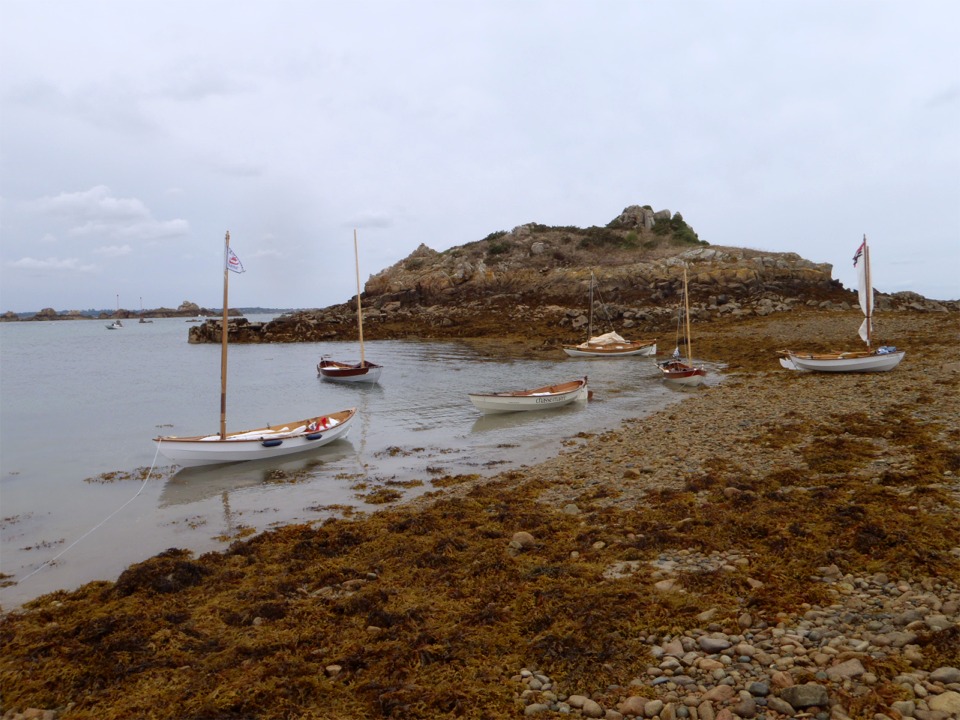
534, 281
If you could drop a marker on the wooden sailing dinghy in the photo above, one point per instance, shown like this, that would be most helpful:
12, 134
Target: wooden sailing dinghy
266, 442
882, 359
609, 344
363, 371
542, 398
677, 370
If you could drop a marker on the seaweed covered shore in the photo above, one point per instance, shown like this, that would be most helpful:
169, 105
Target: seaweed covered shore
781, 545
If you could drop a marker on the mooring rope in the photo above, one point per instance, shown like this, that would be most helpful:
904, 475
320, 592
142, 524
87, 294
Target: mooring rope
98, 525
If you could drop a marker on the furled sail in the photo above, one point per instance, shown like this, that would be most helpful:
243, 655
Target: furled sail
610, 338
861, 260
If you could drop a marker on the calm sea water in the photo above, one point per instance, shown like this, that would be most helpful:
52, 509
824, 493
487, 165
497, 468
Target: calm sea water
79, 405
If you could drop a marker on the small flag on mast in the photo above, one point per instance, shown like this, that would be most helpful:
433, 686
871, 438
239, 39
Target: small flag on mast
859, 253
233, 262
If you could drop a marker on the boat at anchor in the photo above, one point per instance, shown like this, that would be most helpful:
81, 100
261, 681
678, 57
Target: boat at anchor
274, 440
542, 398
363, 371
608, 344
678, 370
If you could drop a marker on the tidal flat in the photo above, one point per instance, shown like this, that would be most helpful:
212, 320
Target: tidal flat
776, 544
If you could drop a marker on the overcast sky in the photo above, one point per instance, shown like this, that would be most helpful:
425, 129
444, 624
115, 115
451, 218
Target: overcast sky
133, 135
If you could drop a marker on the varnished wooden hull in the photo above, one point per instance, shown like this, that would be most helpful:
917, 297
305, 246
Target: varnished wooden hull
681, 373
365, 372
617, 350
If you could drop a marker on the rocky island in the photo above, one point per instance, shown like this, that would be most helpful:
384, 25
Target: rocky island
532, 283
781, 545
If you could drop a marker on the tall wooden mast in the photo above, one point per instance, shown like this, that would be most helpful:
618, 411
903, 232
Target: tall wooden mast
223, 341
869, 288
356, 260
590, 324
686, 313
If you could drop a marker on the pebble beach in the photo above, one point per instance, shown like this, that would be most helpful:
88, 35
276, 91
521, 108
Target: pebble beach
780, 545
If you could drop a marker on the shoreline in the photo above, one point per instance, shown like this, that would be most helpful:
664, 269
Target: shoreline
396, 452
766, 535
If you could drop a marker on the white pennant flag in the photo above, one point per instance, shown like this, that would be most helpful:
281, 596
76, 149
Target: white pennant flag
233, 262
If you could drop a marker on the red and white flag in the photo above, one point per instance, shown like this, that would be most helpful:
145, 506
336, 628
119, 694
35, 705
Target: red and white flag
233, 262
859, 254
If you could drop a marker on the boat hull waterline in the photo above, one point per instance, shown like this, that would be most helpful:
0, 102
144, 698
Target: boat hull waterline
677, 370
842, 362
610, 344
681, 373
362, 372
883, 359
267, 442
617, 350
543, 398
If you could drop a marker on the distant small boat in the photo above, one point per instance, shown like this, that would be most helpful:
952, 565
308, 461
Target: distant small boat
542, 398
883, 359
142, 320
363, 371
677, 370
116, 324
609, 344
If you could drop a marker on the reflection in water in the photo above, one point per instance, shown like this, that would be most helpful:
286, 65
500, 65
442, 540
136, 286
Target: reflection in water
415, 423
194, 484
519, 420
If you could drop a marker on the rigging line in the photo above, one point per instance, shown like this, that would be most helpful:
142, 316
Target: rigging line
604, 307
99, 524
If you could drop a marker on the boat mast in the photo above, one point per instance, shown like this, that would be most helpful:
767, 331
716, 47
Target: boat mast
356, 260
869, 283
590, 324
223, 342
686, 313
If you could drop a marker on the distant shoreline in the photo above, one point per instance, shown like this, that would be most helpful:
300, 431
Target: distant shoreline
51, 315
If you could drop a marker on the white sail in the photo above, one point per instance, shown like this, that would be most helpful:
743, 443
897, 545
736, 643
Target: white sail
861, 261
